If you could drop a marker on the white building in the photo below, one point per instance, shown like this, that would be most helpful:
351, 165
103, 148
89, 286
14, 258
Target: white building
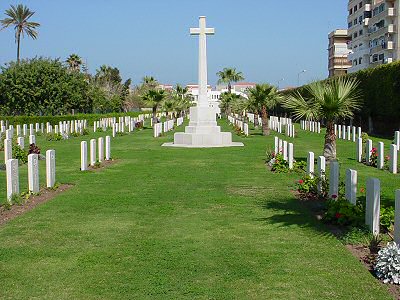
373, 30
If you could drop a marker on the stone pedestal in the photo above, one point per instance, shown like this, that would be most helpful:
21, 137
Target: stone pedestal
203, 132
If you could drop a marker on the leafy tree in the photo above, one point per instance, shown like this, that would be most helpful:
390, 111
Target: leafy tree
264, 97
19, 18
229, 75
337, 99
42, 87
74, 62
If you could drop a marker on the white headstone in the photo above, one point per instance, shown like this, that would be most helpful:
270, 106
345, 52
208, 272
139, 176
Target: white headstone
108, 147
310, 164
33, 173
321, 169
290, 155
21, 142
92, 152
84, 162
334, 179
285, 150
7, 150
32, 139
351, 186
372, 210
397, 140
359, 150
12, 178
393, 159
353, 133
368, 151
397, 218
381, 156
276, 145
50, 168
101, 149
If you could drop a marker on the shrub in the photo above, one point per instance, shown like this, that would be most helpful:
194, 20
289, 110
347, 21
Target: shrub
342, 212
54, 137
387, 217
307, 187
387, 267
20, 154
34, 149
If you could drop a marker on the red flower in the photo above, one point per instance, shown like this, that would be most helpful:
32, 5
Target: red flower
301, 181
362, 190
334, 196
338, 215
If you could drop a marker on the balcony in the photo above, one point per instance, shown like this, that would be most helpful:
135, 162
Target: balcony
367, 7
391, 12
391, 28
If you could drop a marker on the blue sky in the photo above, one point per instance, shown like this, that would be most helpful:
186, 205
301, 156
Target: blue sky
266, 40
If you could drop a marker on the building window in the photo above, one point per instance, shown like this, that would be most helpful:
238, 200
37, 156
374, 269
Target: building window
355, 22
349, 25
360, 5
375, 58
360, 32
355, 62
360, 61
351, 11
381, 57
355, 8
355, 35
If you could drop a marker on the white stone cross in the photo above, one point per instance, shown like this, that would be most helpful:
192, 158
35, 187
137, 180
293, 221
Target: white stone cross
202, 32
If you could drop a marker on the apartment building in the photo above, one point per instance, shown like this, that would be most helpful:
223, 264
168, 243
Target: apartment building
373, 31
338, 52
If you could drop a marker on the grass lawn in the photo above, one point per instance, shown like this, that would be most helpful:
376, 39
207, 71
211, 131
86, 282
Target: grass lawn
166, 223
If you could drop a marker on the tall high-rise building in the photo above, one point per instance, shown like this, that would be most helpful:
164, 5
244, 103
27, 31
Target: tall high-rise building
338, 52
373, 31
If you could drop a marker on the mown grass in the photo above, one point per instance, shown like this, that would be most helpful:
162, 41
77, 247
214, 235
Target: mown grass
165, 223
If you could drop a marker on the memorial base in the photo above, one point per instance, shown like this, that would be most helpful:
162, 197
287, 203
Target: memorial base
203, 132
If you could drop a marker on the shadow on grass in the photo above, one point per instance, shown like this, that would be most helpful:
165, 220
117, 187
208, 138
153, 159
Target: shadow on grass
293, 212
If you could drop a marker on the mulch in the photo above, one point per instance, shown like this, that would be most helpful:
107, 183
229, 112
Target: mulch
33, 201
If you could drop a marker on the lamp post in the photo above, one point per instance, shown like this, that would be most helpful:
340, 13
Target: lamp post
279, 81
298, 76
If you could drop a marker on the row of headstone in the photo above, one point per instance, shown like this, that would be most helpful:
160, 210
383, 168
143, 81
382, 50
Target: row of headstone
372, 213
282, 125
12, 173
168, 125
380, 152
157, 129
286, 149
311, 126
96, 153
350, 133
244, 127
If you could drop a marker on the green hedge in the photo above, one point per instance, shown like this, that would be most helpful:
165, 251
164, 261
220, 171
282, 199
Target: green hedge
380, 88
14, 120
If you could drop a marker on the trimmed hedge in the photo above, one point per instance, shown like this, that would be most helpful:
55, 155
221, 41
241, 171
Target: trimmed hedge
14, 120
380, 88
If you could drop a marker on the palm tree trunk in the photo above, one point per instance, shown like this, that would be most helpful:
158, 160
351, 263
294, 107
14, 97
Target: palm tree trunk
264, 117
330, 142
229, 88
154, 115
18, 46
256, 120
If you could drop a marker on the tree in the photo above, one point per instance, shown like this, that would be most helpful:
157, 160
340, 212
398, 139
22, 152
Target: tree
229, 75
228, 101
74, 62
264, 97
336, 99
18, 17
154, 99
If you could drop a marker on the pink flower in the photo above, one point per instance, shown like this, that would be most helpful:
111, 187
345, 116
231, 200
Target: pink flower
334, 196
362, 190
301, 181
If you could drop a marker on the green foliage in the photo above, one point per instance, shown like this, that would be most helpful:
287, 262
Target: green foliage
42, 86
54, 136
20, 154
307, 187
387, 217
279, 164
342, 212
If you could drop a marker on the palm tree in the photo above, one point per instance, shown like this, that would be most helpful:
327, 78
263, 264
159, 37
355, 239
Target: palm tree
228, 101
336, 99
18, 17
150, 82
74, 62
229, 75
154, 98
264, 97
181, 91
